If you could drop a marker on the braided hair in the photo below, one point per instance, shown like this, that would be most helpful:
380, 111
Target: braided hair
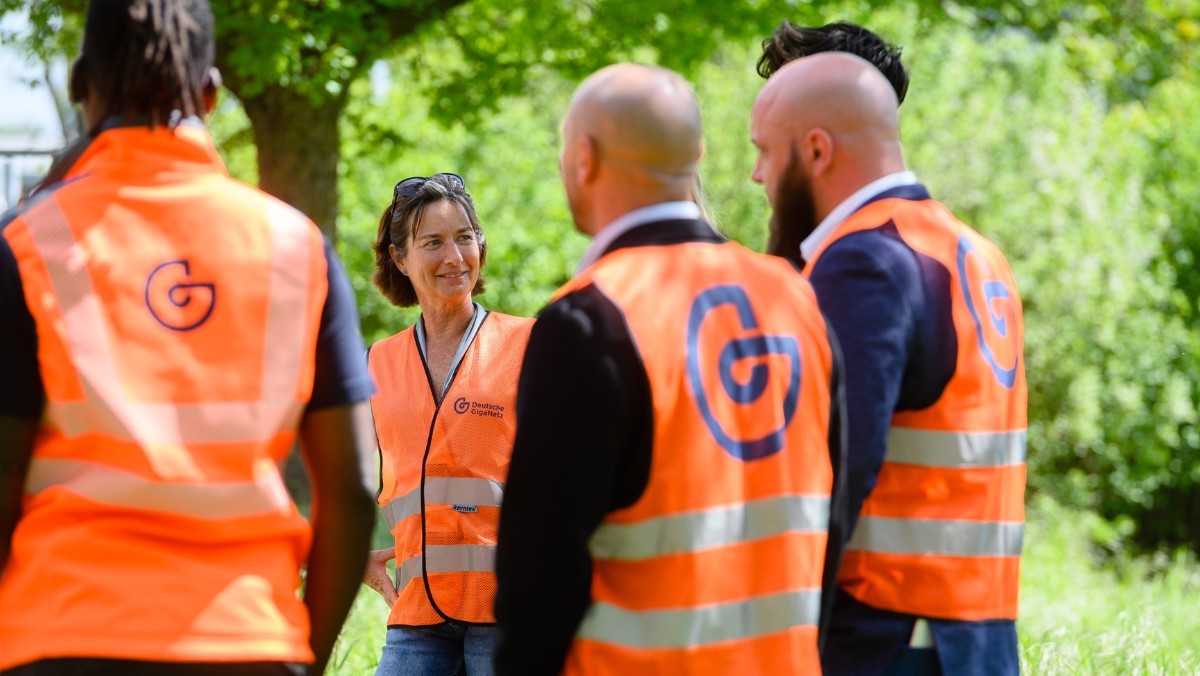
147, 58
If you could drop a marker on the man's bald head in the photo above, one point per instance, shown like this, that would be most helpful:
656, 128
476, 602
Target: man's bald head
631, 138
829, 122
839, 92
642, 119
825, 126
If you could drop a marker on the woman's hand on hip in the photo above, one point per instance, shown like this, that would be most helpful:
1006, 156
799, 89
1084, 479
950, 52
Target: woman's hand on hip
377, 577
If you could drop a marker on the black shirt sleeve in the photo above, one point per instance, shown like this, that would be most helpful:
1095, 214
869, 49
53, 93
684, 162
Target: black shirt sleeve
23, 394
341, 375
839, 504
582, 449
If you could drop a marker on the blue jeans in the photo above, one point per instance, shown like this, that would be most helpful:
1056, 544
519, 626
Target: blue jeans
446, 649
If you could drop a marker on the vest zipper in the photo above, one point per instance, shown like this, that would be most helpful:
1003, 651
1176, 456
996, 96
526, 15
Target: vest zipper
437, 408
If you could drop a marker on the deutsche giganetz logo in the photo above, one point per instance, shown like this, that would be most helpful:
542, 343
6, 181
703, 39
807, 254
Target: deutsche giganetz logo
462, 405
997, 343
175, 301
741, 392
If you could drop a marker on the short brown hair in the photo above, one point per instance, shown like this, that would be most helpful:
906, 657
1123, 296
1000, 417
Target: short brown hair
402, 219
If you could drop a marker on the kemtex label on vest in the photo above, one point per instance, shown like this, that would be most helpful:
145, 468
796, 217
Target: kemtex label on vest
465, 509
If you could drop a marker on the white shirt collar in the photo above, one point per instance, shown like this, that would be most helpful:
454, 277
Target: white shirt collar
810, 245
663, 211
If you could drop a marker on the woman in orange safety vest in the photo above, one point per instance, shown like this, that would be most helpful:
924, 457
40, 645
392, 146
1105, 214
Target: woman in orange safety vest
445, 415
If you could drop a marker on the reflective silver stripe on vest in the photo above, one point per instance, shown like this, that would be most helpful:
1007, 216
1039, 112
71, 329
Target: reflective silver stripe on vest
266, 494
167, 426
444, 491
448, 559
714, 527
934, 448
686, 628
937, 537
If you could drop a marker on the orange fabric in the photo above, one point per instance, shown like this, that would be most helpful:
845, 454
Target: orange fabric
699, 578
986, 394
948, 493
720, 296
54, 361
149, 411
469, 436
985, 586
790, 652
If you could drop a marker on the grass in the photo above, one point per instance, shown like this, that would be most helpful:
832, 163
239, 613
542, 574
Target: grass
1079, 614
357, 650
1122, 616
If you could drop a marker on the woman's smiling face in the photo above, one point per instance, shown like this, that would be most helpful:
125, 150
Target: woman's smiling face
443, 255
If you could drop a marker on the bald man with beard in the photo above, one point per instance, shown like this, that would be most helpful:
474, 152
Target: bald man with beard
676, 473
930, 324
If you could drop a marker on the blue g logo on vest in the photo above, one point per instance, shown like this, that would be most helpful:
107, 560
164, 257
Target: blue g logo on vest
741, 392
177, 302
996, 341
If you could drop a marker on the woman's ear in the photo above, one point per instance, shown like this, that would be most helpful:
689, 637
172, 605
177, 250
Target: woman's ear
397, 258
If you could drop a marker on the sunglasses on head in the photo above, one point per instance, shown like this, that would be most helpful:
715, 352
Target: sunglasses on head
409, 186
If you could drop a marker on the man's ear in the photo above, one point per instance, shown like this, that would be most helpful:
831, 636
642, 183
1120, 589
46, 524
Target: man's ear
817, 151
587, 163
77, 86
209, 88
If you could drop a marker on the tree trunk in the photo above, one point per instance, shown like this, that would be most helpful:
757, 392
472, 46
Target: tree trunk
298, 149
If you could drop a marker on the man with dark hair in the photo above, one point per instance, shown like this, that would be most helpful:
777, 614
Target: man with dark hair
790, 42
929, 319
167, 334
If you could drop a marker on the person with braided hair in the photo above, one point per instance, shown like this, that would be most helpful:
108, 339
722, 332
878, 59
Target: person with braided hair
168, 334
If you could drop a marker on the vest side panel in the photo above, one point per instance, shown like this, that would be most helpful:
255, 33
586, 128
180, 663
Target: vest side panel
936, 536
473, 441
59, 378
403, 407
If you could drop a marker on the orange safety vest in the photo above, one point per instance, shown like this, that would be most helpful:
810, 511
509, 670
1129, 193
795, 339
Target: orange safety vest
717, 567
940, 534
444, 468
177, 313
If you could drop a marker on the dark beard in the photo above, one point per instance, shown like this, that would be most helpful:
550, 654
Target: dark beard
794, 215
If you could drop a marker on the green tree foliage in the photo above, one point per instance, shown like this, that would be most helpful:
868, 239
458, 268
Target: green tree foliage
292, 62
1127, 47
1025, 148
